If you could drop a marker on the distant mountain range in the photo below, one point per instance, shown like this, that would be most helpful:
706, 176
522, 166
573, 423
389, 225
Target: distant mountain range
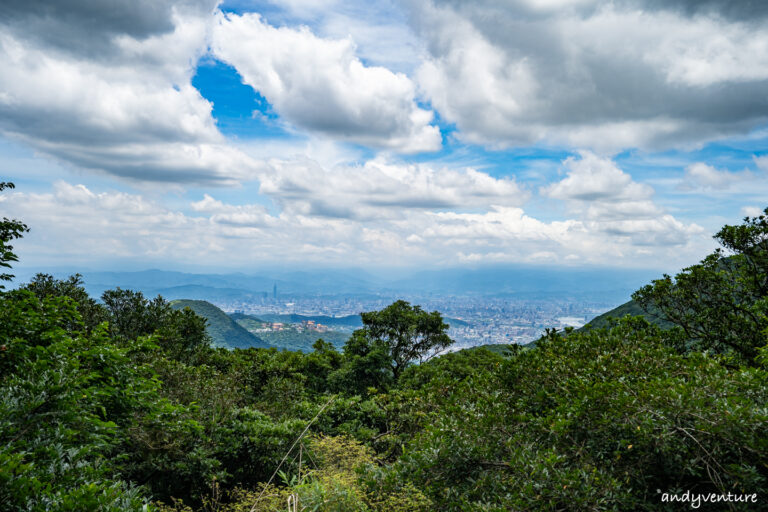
529, 281
171, 284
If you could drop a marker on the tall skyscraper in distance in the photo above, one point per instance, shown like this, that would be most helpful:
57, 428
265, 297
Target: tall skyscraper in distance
274, 291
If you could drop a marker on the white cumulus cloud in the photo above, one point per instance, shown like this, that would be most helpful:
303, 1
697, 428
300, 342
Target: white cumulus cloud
610, 201
321, 85
600, 75
703, 176
591, 177
382, 189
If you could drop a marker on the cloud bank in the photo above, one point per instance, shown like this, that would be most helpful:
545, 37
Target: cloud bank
381, 213
593, 74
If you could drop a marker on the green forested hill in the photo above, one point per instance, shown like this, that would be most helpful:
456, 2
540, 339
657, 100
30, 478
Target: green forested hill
224, 331
630, 308
247, 321
341, 321
303, 341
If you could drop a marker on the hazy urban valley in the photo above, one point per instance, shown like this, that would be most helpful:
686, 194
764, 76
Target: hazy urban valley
473, 320
293, 308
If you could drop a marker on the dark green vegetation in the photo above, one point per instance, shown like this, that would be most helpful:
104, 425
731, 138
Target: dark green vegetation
501, 349
341, 321
123, 404
303, 341
222, 329
630, 308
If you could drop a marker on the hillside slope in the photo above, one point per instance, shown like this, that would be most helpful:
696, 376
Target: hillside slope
631, 308
224, 331
350, 321
289, 339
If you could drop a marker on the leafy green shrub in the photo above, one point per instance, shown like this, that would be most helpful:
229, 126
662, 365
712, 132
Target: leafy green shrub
721, 303
250, 445
597, 421
346, 480
61, 394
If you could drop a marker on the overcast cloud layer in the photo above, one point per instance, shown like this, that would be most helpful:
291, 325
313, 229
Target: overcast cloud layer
397, 94
595, 74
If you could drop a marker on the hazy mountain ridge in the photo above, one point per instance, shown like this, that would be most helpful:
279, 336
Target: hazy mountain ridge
531, 281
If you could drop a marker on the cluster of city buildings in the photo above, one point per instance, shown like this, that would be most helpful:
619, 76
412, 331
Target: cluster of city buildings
481, 320
305, 326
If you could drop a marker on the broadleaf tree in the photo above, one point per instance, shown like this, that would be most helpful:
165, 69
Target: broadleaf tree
720, 304
400, 334
10, 229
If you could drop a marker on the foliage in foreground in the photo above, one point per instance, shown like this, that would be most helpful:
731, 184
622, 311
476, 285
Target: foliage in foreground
721, 303
123, 405
596, 421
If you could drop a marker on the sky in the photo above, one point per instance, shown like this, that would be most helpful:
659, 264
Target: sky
199, 134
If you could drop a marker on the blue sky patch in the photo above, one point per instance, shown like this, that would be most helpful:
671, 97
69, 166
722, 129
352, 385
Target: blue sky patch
239, 110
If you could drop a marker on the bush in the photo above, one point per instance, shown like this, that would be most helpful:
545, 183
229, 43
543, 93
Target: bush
61, 396
597, 421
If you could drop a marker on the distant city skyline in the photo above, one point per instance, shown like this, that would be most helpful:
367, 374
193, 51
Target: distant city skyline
409, 134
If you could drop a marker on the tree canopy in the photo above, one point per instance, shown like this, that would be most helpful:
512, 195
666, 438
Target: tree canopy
10, 229
720, 304
389, 341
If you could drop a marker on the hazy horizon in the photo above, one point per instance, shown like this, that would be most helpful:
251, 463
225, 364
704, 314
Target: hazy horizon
605, 285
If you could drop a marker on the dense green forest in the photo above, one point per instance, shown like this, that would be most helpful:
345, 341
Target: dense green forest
303, 341
123, 404
631, 308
